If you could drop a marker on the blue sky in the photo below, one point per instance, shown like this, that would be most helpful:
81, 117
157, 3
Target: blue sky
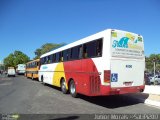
26, 25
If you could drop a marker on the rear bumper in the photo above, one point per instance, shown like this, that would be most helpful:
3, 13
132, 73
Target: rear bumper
125, 90
107, 90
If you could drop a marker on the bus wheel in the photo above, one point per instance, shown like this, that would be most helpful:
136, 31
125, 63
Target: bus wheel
156, 82
27, 76
63, 86
72, 89
32, 77
42, 80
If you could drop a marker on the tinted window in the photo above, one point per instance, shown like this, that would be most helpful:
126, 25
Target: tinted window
99, 47
51, 58
41, 61
87, 50
75, 52
91, 49
66, 55
61, 56
37, 63
57, 57
54, 58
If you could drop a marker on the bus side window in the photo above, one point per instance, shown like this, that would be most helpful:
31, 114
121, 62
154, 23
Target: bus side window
91, 49
51, 58
38, 63
45, 60
84, 51
32, 64
48, 59
61, 60
69, 54
57, 57
42, 61
54, 58
74, 53
80, 52
66, 55
99, 48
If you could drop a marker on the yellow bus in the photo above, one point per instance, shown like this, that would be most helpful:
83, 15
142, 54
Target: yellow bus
32, 68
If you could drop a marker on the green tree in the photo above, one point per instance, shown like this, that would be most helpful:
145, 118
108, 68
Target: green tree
150, 61
15, 58
46, 48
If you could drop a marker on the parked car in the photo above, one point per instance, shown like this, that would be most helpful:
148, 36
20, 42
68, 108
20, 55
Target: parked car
11, 72
155, 80
147, 80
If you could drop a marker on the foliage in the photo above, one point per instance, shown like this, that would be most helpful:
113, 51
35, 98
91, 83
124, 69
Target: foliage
150, 62
13, 59
46, 48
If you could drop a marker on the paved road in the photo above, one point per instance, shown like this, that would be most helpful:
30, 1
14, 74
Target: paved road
21, 95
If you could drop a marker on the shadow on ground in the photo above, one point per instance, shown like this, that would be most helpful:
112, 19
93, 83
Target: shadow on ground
112, 101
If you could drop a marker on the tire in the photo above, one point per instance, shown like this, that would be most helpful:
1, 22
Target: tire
42, 80
72, 89
32, 77
63, 86
156, 82
27, 76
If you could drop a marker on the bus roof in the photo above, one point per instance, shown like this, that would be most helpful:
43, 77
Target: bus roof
33, 61
20, 64
10, 67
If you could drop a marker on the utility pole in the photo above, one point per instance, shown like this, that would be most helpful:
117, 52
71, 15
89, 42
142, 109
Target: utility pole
154, 67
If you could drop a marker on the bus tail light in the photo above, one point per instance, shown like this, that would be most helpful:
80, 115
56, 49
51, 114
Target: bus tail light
107, 74
145, 79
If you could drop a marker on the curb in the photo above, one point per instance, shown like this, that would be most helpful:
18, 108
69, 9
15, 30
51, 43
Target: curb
148, 101
152, 102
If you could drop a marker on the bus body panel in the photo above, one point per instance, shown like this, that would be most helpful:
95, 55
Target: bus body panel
127, 73
127, 59
83, 72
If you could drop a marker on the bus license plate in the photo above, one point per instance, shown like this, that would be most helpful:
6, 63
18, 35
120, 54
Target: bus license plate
128, 83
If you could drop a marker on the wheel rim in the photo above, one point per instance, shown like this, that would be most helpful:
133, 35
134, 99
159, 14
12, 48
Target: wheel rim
63, 86
73, 88
156, 82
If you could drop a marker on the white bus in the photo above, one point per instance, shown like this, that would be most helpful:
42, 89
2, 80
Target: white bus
21, 69
106, 63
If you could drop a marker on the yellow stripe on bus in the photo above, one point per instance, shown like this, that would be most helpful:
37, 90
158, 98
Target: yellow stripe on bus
58, 74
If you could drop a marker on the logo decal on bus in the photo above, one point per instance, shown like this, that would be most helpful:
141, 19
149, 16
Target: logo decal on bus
114, 77
44, 67
128, 41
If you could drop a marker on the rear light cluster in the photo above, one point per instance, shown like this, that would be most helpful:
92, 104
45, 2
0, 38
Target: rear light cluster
145, 78
107, 75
